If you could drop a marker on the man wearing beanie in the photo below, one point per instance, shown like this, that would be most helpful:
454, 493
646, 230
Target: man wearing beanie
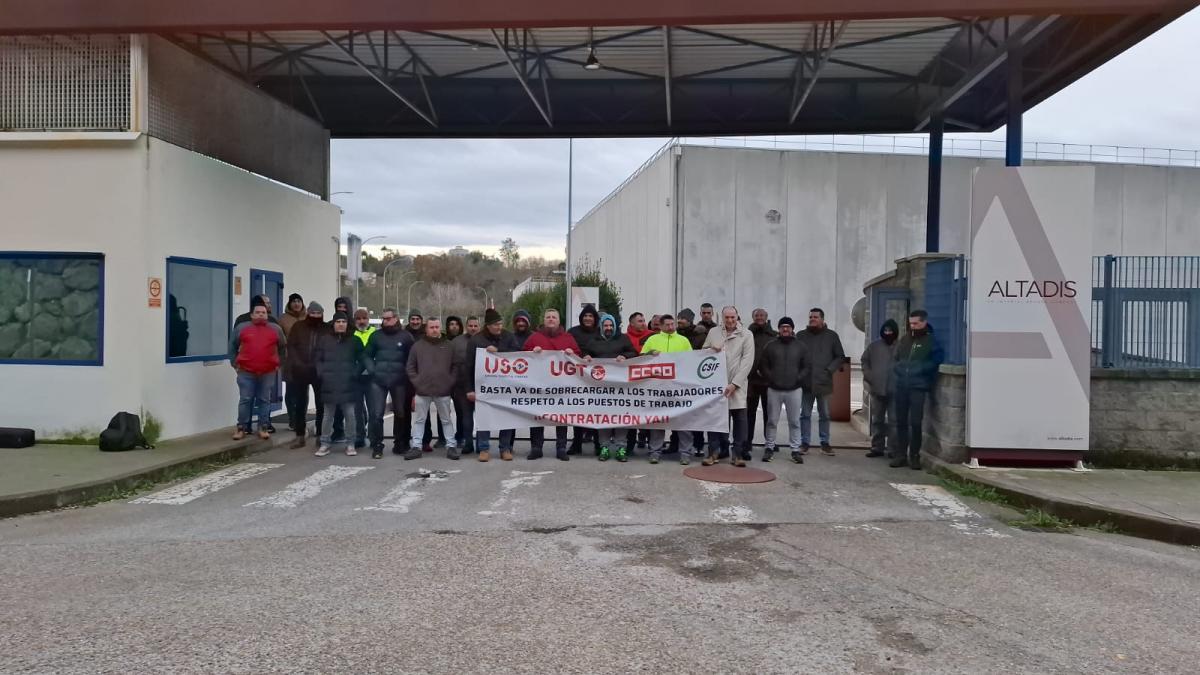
432, 372
522, 327
387, 356
340, 360
877, 363
493, 338
784, 366
258, 301
301, 368
293, 312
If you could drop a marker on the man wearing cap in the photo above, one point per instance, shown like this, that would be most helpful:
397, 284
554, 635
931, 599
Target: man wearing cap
301, 368
784, 366
493, 338
387, 356
666, 341
432, 373
340, 361
738, 345
292, 313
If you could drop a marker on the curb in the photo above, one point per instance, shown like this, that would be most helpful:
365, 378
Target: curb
72, 495
1084, 514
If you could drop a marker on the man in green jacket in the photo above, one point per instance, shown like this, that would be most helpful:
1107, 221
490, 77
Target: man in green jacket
665, 342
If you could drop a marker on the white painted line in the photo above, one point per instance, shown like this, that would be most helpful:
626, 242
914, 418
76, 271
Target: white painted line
518, 479
733, 514
303, 490
402, 497
206, 485
865, 527
948, 507
714, 490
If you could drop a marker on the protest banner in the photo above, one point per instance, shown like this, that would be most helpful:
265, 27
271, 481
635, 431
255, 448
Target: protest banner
681, 390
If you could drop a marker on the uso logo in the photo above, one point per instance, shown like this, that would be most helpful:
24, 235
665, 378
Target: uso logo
707, 368
495, 365
657, 371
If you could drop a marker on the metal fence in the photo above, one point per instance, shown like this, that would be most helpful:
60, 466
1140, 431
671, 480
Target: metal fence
1145, 310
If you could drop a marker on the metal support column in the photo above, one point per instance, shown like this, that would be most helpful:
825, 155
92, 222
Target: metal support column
933, 200
1016, 83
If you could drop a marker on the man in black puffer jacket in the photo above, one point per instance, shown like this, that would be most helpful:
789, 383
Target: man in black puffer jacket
387, 352
785, 366
492, 338
301, 369
340, 360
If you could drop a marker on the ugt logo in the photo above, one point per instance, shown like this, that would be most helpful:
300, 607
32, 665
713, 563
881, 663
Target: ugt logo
707, 367
496, 365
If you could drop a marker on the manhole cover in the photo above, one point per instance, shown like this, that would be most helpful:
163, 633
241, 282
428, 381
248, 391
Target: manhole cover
727, 473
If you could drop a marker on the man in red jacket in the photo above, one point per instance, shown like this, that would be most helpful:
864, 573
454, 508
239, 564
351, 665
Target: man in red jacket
255, 352
550, 337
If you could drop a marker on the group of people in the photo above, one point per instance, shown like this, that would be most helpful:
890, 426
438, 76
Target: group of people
425, 366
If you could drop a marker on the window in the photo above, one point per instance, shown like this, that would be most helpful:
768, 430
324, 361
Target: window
52, 308
199, 305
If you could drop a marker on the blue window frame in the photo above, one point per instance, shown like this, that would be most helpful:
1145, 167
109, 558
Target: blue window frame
199, 309
51, 308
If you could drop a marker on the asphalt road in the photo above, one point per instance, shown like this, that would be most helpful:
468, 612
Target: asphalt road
287, 563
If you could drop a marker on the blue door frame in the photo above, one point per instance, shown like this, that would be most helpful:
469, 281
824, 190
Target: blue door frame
266, 282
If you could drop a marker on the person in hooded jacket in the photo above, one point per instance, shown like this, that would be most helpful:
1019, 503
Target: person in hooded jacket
387, 354
756, 386
825, 350
340, 360
493, 338
784, 366
550, 337
293, 312
584, 332
918, 356
610, 343
877, 362
521, 328
301, 369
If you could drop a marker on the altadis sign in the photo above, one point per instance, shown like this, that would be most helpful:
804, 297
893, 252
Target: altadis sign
1029, 347
682, 390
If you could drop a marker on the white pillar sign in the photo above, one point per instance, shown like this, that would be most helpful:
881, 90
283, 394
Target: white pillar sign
1029, 347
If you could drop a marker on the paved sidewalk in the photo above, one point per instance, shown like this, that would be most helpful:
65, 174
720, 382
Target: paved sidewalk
1162, 505
48, 476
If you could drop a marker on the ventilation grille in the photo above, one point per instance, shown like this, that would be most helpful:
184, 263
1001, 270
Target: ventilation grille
64, 83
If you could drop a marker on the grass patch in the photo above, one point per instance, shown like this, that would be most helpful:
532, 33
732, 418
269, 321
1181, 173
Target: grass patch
1140, 461
984, 493
71, 440
1040, 521
151, 427
1105, 527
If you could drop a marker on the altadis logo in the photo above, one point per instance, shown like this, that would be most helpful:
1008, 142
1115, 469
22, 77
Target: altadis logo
707, 368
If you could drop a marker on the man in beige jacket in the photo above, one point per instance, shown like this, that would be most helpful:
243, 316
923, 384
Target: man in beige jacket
738, 345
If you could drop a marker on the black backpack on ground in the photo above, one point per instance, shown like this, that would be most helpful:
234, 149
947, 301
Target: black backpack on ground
16, 437
124, 432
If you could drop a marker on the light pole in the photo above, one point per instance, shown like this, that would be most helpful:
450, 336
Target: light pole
385, 271
570, 194
358, 281
337, 265
408, 300
485, 296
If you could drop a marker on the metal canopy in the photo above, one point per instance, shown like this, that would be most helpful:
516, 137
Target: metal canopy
369, 68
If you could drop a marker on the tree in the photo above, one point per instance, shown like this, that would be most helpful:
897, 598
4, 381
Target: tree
510, 253
587, 274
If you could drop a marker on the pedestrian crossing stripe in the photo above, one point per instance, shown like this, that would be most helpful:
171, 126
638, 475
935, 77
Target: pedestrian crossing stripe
206, 485
305, 489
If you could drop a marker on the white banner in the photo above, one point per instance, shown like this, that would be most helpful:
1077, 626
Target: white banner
1029, 352
681, 391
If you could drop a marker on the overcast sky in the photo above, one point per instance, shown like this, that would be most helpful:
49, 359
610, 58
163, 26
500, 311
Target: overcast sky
430, 195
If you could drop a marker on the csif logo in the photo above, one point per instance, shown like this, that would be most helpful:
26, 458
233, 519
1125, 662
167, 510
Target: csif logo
707, 367
498, 365
657, 371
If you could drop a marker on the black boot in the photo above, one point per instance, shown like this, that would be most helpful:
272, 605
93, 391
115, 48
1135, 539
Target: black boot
914, 461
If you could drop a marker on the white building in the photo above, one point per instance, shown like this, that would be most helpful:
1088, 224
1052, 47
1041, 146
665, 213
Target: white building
532, 284
458, 252
125, 255
788, 230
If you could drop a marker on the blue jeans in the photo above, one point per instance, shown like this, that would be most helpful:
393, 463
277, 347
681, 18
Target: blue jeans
806, 404
254, 394
483, 440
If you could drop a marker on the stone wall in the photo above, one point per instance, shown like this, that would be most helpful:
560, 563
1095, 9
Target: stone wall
1148, 413
49, 308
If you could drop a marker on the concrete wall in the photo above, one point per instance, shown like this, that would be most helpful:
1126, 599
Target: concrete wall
139, 202
843, 219
632, 238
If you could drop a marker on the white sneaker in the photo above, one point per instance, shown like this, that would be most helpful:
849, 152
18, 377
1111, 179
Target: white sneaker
322, 451
350, 451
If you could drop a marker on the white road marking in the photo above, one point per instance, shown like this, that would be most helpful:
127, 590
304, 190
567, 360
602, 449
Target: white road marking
303, 490
731, 513
405, 495
948, 507
206, 485
508, 485
865, 527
